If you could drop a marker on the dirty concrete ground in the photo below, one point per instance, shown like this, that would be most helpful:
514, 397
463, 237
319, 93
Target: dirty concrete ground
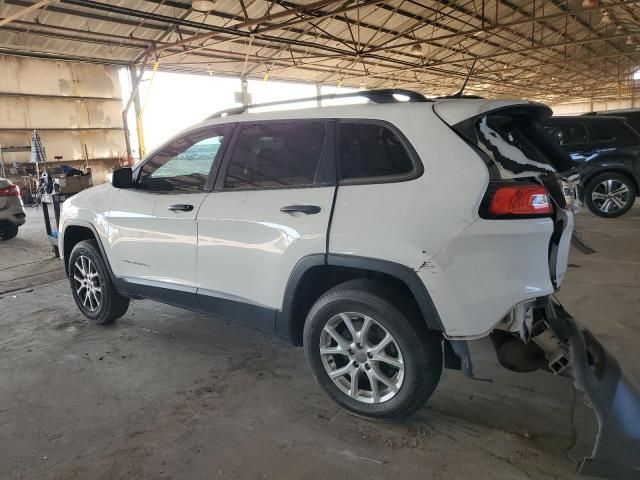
170, 394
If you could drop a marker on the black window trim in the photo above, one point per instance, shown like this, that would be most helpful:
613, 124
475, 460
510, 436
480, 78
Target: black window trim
327, 157
416, 172
215, 167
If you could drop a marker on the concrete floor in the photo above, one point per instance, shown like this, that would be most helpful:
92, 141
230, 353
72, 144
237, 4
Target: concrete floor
166, 393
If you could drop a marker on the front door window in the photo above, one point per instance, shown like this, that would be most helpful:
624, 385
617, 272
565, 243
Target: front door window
185, 164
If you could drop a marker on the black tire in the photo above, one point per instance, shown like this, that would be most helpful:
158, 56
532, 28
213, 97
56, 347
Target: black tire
421, 348
7, 232
597, 207
112, 305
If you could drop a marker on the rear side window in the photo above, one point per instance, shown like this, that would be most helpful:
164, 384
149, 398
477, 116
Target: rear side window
602, 131
516, 145
625, 135
568, 133
370, 151
277, 155
618, 130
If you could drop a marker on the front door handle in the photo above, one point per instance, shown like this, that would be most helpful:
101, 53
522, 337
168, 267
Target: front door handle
306, 209
181, 207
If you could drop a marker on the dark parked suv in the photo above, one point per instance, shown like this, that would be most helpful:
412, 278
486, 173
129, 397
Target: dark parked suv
606, 151
631, 115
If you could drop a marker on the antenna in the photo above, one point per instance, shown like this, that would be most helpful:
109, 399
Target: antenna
464, 85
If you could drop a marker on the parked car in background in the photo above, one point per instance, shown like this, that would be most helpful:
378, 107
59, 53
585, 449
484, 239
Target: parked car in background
12, 213
631, 115
606, 152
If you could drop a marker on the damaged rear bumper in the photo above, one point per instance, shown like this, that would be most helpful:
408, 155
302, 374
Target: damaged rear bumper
613, 396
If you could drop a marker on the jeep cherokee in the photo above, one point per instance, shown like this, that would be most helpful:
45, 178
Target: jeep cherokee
382, 237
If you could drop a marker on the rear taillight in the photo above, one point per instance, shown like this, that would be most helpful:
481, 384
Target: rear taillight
10, 191
515, 200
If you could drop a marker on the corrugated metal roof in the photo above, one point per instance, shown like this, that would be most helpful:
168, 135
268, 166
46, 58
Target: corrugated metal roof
546, 50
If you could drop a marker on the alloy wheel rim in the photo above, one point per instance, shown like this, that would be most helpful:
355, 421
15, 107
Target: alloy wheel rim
87, 283
361, 357
610, 196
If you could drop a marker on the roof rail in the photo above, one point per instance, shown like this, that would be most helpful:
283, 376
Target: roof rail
377, 96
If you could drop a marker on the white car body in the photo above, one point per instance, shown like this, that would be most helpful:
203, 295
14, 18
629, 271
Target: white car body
452, 212
238, 245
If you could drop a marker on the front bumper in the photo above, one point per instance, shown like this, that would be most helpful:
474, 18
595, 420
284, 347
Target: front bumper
614, 397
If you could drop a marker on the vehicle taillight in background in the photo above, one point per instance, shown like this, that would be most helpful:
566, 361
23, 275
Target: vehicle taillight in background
516, 200
10, 191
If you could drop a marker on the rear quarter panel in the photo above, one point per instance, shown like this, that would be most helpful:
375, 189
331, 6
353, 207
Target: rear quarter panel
475, 270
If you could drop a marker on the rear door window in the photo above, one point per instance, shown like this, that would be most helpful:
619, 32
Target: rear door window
369, 151
568, 133
278, 154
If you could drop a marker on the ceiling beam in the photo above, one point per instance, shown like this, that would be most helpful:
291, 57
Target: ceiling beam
500, 26
25, 11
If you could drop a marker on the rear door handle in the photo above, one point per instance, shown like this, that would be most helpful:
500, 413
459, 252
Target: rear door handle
181, 207
306, 209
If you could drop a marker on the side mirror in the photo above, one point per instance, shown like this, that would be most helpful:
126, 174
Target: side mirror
122, 178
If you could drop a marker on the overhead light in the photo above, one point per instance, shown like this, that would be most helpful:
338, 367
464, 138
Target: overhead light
416, 49
619, 29
606, 19
204, 6
630, 40
589, 3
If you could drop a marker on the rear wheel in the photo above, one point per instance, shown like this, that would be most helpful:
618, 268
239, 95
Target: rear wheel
9, 231
91, 285
610, 194
368, 354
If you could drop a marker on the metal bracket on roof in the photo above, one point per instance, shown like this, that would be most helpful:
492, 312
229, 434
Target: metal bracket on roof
387, 95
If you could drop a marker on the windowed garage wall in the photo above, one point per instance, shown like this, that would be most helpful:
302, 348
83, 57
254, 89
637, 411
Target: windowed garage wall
75, 107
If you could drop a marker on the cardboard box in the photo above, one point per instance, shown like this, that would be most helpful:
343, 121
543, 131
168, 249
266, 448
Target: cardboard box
75, 184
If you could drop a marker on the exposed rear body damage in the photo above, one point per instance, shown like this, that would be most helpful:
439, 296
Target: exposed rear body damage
541, 334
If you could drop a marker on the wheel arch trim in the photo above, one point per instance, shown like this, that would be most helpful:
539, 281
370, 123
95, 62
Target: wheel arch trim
285, 323
89, 226
405, 274
620, 169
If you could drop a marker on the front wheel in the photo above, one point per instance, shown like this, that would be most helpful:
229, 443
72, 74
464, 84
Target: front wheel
610, 194
91, 286
370, 355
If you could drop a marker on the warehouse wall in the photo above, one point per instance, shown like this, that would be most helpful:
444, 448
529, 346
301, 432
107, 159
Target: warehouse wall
72, 105
578, 108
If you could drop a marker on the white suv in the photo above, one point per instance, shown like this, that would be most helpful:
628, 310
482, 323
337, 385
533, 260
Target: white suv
381, 236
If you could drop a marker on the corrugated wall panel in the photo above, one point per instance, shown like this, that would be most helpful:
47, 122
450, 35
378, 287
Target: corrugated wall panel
26, 112
72, 105
49, 77
102, 144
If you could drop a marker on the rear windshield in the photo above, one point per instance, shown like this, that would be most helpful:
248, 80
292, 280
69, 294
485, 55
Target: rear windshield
515, 145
